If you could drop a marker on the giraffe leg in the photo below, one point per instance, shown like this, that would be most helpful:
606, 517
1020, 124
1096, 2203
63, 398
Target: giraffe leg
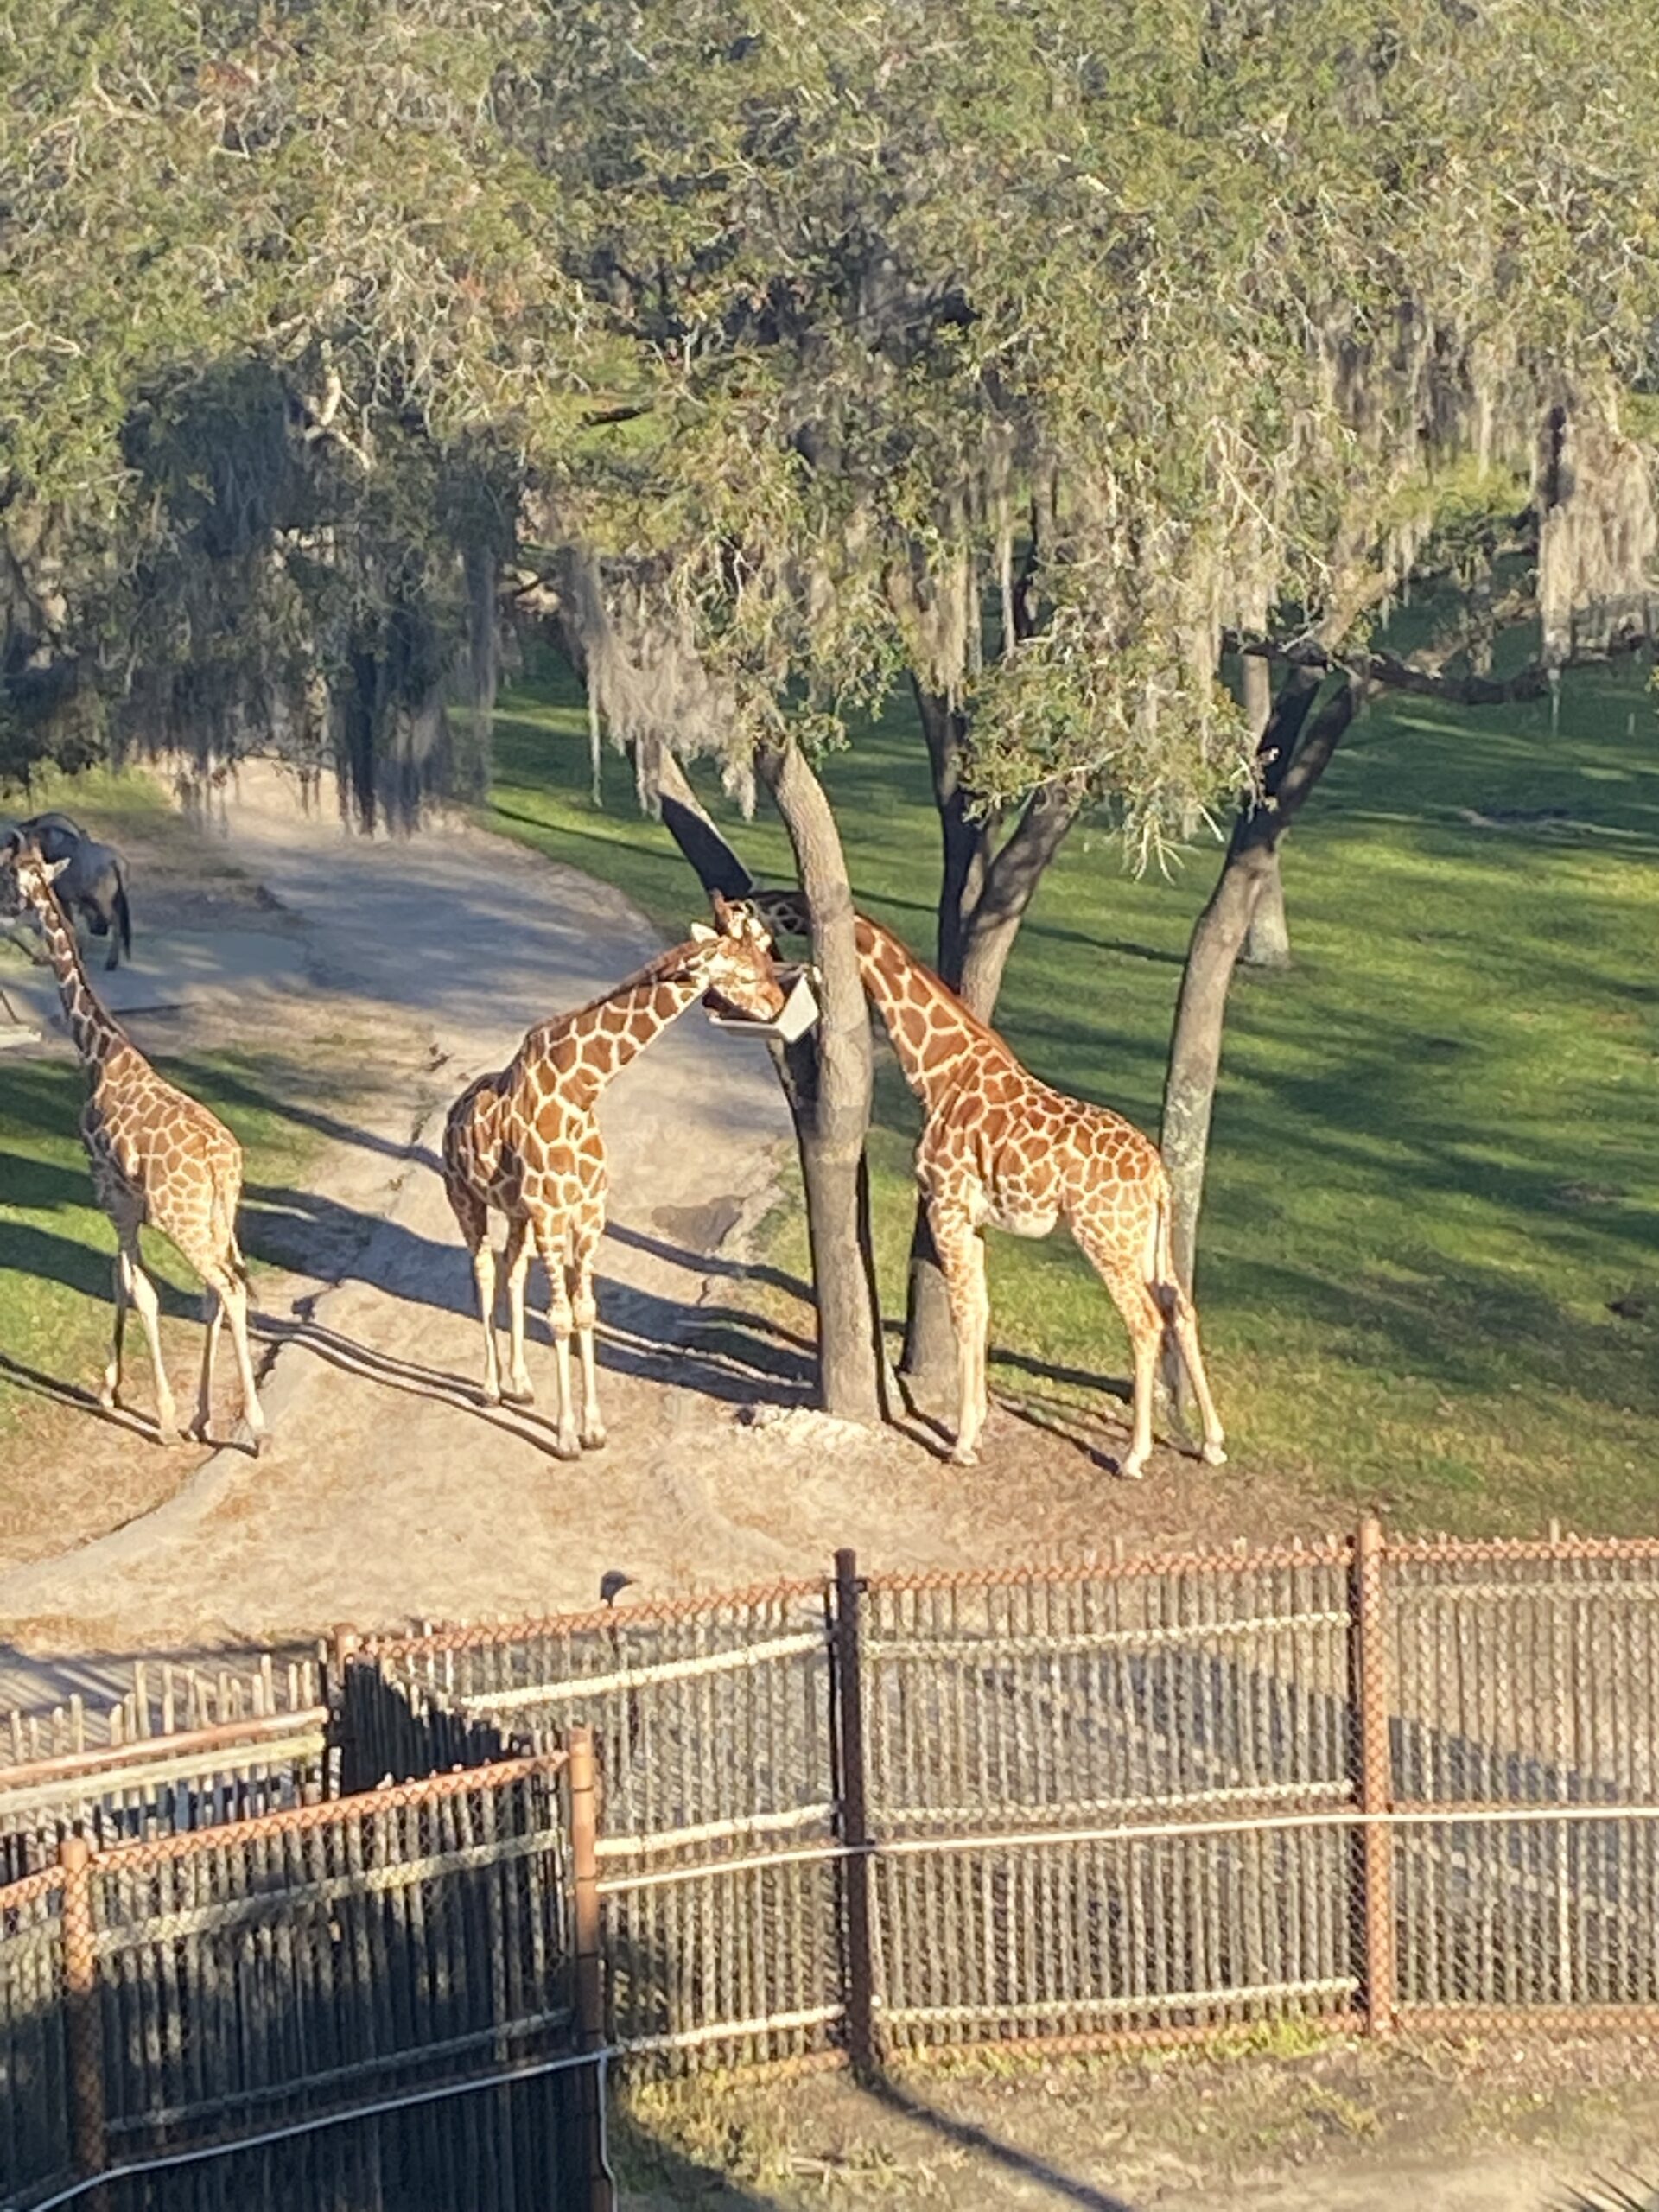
519, 1391
212, 1317
142, 1292
1181, 1322
111, 1394
584, 1315
233, 1298
568, 1445
1144, 1320
962, 1262
472, 1217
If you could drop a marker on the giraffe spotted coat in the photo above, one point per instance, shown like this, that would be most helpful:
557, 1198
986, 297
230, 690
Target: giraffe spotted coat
525, 1141
999, 1149
158, 1157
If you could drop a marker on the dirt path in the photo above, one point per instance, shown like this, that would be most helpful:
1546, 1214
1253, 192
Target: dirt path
390, 1493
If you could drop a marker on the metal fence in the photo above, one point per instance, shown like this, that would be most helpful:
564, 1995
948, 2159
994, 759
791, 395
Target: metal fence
1363, 1782
329, 1976
182, 1747
1369, 1782
715, 1728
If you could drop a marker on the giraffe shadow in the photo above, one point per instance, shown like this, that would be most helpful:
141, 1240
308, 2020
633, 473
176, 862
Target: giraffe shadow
311, 1234
351, 1356
724, 1351
37, 1383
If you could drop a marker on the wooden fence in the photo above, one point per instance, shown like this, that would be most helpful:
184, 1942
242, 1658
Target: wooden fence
1372, 1783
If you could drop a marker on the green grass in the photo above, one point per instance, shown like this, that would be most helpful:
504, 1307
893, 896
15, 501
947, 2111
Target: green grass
1434, 1162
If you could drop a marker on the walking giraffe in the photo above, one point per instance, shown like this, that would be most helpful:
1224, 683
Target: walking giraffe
525, 1142
998, 1147
157, 1156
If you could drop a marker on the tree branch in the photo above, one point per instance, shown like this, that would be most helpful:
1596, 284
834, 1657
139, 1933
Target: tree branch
1393, 672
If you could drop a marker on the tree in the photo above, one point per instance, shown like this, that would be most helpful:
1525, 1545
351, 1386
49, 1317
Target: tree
269, 284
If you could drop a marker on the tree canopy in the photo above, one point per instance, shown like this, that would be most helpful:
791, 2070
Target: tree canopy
1030, 350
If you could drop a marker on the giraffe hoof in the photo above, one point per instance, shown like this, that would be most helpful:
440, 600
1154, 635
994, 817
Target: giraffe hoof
1131, 1471
965, 1456
525, 1397
1213, 1456
170, 1432
593, 1440
566, 1446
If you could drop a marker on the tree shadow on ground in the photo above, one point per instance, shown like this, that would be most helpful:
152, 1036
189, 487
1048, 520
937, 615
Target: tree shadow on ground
964, 2135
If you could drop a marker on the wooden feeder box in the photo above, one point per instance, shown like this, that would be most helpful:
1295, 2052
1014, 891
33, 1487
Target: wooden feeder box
793, 1018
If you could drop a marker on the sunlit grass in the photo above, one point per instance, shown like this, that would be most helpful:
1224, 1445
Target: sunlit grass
1435, 1167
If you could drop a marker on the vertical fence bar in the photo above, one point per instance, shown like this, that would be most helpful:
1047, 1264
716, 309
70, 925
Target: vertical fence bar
1371, 1697
341, 1753
586, 1944
81, 2024
852, 1798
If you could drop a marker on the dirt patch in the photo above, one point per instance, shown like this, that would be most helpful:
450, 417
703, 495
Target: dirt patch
1341, 2127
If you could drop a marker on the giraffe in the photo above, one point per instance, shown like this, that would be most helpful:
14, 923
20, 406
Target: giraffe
998, 1147
157, 1156
525, 1142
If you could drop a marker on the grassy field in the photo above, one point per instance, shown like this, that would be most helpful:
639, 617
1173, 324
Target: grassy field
1434, 1169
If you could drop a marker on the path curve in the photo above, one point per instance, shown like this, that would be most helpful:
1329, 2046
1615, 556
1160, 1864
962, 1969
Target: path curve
389, 1493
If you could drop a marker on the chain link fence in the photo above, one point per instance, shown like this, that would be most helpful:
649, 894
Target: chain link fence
1374, 1784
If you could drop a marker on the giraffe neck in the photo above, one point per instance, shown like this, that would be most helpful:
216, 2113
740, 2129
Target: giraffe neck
935, 1037
601, 1038
938, 1042
96, 1033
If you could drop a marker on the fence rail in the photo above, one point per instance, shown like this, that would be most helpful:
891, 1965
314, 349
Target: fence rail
1374, 1784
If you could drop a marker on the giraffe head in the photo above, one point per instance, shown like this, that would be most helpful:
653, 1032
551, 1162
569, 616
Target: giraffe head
26, 874
734, 959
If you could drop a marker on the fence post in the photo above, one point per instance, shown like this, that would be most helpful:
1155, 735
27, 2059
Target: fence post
1371, 1689
850, 1791
83, 2029
589, 1966
342, 1649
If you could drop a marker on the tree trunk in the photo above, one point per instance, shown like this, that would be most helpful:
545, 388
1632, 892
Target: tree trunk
1267, 941
830, 1096
1219, 937
962, 840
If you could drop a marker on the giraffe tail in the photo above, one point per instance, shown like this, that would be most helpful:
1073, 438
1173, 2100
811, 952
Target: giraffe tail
1164, 1285
227, 1190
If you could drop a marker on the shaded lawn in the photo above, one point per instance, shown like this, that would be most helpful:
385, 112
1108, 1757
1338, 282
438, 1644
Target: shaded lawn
1435, 1163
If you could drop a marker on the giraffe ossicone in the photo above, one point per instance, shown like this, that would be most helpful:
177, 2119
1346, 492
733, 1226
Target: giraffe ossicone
158, 1157
525, 1142
999, 1149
